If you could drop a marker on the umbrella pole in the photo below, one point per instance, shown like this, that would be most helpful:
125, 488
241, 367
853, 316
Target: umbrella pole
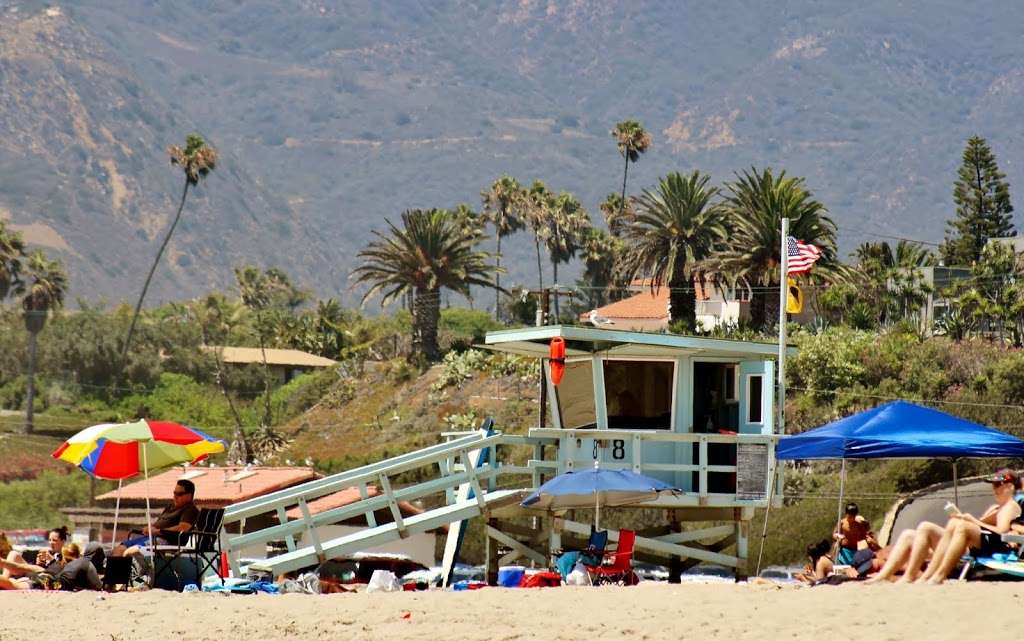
117, 510
145, 470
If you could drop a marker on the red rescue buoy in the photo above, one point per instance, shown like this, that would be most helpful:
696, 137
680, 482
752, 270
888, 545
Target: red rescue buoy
556, 354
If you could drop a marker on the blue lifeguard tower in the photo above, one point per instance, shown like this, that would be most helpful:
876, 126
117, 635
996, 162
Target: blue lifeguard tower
698, 413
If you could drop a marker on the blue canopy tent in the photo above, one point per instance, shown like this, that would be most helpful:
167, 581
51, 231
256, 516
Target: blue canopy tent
899, 429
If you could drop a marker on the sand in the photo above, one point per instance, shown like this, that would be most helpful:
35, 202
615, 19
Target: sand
647, 611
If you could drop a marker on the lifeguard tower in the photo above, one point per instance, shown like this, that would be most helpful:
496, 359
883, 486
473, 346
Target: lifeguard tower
697, 413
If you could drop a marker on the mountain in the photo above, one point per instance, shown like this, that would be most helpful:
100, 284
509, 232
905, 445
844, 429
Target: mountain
331, 116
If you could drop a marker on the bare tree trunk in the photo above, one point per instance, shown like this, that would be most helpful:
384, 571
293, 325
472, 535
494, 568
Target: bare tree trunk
497, 280
554, 269
425, 320
145, 286
625, 172
682, 300
267, 417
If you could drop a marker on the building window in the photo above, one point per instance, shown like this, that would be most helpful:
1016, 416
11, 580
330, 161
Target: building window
639, 394
575, 396
755, 401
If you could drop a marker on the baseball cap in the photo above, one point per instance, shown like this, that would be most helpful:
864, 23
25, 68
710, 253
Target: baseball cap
1005, 475
851, 508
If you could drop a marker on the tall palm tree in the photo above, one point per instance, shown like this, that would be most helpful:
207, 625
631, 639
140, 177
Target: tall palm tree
12, 250
568, 219
46, 284
429, 252
671, 232
632, 140
503, 207
538, 217
196, 159
757, 202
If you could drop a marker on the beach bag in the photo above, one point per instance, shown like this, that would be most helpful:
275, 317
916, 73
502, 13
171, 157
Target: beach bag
578, 576
546, 579
383, 581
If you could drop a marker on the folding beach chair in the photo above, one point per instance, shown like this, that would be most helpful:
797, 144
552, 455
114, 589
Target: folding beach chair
201, 545
618, 564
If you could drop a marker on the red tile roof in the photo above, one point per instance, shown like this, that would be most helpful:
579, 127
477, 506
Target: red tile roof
647, 304
347, 497
214, 487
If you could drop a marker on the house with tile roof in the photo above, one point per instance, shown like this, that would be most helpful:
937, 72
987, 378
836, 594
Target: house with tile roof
284, 364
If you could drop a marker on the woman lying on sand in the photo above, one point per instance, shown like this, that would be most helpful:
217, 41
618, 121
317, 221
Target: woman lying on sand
963, 532
72, 572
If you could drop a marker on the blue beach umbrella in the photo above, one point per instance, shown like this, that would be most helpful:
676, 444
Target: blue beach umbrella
595, 487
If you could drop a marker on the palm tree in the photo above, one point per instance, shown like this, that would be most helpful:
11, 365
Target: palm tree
601, 253
429, 252
503, 205
568, 219
892, 278
757, 203
615, 212
12, 250
671, 232
632, 140
46, 284
196, 159
538, 217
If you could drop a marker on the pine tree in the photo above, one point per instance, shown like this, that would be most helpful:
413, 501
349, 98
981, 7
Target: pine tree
983, 208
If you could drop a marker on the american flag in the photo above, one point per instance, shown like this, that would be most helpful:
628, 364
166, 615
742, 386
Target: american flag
802, 256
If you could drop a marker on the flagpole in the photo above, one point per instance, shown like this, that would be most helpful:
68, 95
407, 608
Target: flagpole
783, 291
781, 414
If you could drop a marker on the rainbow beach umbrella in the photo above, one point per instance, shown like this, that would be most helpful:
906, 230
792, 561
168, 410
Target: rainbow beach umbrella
118, 451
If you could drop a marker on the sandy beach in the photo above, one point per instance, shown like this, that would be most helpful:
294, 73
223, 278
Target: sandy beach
648, 611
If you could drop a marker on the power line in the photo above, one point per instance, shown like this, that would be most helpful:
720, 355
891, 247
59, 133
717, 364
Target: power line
888, 236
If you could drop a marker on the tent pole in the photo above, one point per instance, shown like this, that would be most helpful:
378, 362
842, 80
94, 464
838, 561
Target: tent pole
839, 508
956, 490
767, 512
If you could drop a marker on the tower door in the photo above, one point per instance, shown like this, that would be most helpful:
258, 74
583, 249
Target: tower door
756, 397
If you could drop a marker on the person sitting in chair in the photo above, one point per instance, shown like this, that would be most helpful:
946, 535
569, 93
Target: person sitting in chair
168, 528
982, 536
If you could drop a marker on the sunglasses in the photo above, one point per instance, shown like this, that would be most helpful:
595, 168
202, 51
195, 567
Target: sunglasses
176, 493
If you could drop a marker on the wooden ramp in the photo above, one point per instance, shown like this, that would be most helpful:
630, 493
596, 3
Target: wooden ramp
372, 537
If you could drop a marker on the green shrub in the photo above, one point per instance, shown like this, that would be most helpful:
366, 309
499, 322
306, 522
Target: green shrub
177, 397
37, 503
830, 360
469, 324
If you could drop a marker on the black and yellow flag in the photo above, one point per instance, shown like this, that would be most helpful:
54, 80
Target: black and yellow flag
795, 298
